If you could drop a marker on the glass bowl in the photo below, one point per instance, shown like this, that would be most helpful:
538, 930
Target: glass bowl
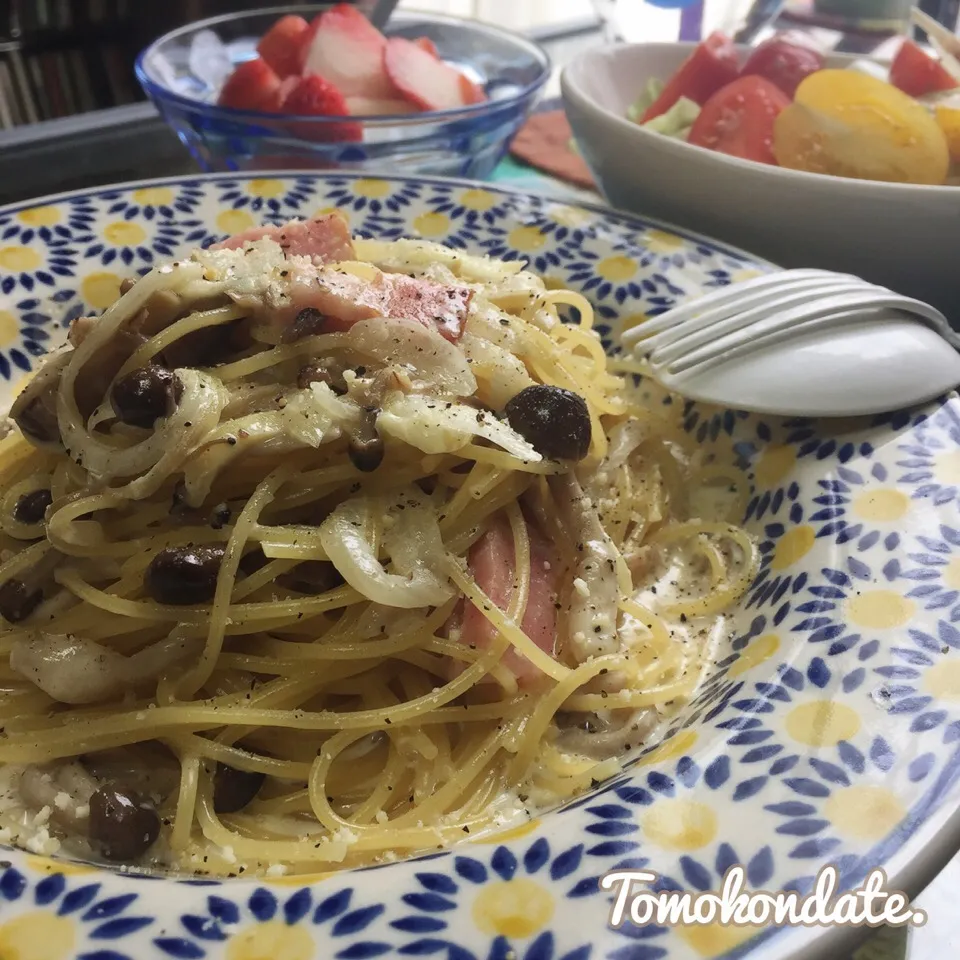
182, 73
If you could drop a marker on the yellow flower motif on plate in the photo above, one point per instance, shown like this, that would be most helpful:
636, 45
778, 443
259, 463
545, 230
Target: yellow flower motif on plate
947, 468
632, 320
792, 547
571, 216
617, 269
715, 939
738, 276
775, 464
516, 908
864, 812
759, 651
273, 940
680, 825
153, 196
822, 723
432, 224
327, 211
46, 865
234, 221
526, 239
100, 289
37, 936
881, 506
951, 574
123, 233
9, 328
371, 189
17, 388
19, 259
879, 609
943, 680
478, 200
659, 241
45, 216
676, 746
266, 189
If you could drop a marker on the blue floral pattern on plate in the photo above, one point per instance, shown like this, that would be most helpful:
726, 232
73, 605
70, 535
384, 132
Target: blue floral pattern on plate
827, 731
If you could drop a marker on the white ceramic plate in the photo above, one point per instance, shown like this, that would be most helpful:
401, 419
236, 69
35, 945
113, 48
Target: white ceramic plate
829, 731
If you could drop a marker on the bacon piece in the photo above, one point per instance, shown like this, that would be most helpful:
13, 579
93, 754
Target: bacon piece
344, 299
492, 563
326, 238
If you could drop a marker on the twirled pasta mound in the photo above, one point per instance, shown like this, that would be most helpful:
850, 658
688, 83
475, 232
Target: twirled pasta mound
323, 551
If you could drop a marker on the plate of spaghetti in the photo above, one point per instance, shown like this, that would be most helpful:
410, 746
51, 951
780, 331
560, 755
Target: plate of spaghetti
358, 599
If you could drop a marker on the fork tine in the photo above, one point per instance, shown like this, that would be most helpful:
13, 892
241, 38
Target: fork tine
838, 308
741, 325
713, 315
722, 295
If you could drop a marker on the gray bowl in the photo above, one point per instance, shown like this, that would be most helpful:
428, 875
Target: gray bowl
900, 235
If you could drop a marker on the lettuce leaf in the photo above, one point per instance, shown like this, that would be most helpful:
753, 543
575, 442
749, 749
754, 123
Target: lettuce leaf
646, 99
677, 121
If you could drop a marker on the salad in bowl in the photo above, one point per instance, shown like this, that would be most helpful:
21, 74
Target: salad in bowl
782, 104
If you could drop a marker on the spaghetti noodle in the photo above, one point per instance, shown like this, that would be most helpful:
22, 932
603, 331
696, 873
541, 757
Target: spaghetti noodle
319, 551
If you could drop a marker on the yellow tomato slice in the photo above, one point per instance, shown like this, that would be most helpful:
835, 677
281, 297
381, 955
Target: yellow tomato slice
948, 119
849, 124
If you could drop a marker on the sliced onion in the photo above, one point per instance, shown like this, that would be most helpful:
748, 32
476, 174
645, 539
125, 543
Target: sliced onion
420, 349
345, 539
592, 621
434, 426
501, 375
74, 670
311, 417
406, 256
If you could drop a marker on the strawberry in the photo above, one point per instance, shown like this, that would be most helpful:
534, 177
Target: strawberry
287, 86
425, 43
313, 96
252, 86
280, 45
348, 50
429, 83
470, 91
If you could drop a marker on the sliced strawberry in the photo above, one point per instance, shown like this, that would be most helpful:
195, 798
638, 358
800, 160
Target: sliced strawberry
493, 563
306, 42
280, 46
368, 107
348, 50
429, 83
252, 86
313, 96
287, 86
470, 91
425, 43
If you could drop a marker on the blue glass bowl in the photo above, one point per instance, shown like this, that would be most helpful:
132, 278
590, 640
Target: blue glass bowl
179, 74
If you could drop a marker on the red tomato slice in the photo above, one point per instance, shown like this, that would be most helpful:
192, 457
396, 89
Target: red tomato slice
783, 63
711, 66
492, 563
280, 46
252, 86
738, 120
916, 73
